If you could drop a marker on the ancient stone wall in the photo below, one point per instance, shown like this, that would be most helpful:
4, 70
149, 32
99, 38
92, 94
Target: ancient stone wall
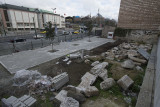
139, 14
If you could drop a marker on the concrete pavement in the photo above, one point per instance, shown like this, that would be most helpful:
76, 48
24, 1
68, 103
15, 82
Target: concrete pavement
145, 97
27, 59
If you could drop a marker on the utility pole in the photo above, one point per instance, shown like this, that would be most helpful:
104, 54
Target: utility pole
35, 27
55, 26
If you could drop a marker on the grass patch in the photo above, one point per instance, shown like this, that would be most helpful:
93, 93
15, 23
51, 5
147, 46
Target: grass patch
149, 51
138, 80
109, 70
114, 91
46, 102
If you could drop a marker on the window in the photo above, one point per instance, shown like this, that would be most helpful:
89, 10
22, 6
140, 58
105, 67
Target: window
9, 24
26, 24
20, 24
6, 15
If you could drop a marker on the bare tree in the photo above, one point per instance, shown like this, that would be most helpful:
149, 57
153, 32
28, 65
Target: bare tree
50, 32
89, 27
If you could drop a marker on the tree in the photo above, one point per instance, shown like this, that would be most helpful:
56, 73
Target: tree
89, 27
50, 32
110, 22
1, 31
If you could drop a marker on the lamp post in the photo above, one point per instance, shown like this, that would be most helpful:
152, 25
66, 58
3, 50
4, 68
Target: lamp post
55, 26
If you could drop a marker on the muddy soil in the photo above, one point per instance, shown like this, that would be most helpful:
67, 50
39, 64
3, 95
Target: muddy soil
75, 70
105, 47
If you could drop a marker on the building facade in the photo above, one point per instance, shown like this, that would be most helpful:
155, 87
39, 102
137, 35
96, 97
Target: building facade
18, 18
139, 14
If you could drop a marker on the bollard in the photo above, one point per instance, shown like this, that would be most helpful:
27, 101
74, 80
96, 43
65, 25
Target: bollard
82, 54
65, 38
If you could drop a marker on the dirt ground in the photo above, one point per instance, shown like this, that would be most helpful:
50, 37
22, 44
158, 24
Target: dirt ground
105, 102
105, 47
75, 70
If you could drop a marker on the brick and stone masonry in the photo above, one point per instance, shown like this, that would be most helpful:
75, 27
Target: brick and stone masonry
139, 14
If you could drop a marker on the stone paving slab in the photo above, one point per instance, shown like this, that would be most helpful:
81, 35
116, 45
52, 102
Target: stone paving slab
144, 53
31, 58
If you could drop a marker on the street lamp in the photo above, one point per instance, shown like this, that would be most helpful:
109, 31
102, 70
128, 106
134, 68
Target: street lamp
55, 31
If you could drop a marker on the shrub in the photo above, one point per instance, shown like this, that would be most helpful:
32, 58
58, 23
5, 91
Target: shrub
120, 32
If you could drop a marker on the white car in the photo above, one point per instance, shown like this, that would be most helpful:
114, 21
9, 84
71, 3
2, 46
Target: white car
37, 37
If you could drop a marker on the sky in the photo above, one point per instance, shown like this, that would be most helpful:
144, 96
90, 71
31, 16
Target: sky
107, 8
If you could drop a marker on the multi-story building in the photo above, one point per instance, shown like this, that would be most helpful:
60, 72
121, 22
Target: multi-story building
15, 18
139, 14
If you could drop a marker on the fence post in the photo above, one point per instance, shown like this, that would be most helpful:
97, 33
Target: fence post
65, 38
31, 45
71, 37
42, 42
58, 39
14, 48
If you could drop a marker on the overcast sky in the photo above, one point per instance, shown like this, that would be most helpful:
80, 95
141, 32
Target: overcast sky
107, 8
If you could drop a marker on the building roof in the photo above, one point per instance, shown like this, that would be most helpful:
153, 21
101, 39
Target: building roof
9, 6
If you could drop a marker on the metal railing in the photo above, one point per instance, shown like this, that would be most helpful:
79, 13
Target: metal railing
30, 44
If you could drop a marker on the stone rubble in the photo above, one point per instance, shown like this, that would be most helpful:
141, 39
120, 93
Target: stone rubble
106, 84
69, 102
85, 86
128, 64
138, 68
96, 70
39, 84
66, 101
126, 49
95, 63
24, 77
87, 61
125, 82
104, 74
24, 101
137, 59
71, 96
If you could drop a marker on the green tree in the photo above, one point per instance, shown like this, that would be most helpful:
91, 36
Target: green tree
89, 26
50, 32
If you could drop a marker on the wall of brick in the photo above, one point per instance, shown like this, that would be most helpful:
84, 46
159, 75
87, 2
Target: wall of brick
139, 14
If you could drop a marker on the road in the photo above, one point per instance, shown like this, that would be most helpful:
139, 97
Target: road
30, 43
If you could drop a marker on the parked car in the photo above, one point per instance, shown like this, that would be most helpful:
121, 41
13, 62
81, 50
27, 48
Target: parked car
37, 37
76, 32
17, 40
43, 32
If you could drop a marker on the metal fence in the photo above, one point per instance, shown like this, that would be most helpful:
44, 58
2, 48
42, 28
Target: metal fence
30, 44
